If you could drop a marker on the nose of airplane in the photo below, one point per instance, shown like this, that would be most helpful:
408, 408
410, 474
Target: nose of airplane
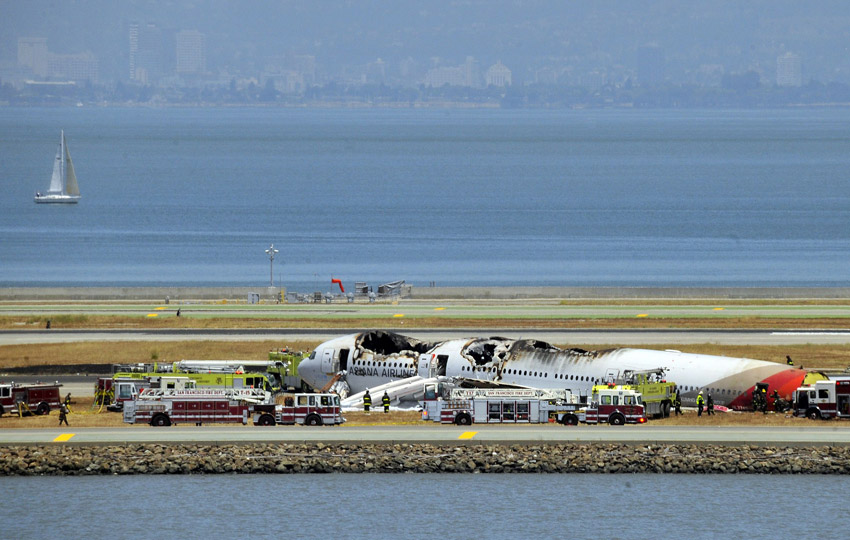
310, 370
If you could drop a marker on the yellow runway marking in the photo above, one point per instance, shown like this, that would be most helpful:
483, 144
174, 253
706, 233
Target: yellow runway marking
467, 434
719, 309
159, 308
399, 315
153, 314
642, 315
64, 437
439, 309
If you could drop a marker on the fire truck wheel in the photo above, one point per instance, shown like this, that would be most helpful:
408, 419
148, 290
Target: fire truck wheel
569, 420
616, 419
266, 420
813, 414
43, 408
665, 409
160, 420
313, 420
463, 419
2, 410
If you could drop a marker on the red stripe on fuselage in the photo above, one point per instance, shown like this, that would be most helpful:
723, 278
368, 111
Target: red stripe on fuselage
784, 382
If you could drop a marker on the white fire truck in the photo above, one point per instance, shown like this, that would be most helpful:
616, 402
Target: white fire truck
163, 407
36, 398
447, 404
305, 409
823, 399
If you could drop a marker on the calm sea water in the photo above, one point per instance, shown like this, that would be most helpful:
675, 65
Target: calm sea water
342, 506
645, 198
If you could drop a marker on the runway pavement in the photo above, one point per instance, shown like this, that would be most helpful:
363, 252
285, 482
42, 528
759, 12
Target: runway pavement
819, 433
558, 337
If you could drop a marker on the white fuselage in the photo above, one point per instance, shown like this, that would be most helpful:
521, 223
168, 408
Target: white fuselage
535, 364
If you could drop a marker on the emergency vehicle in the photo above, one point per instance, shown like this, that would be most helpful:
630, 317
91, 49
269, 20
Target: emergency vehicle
444, 403
36, 398
823, 399
656, 393
305, 409
164, 407
119, 390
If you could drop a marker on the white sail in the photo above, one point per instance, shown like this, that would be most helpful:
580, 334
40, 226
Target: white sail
71, 187
56, 179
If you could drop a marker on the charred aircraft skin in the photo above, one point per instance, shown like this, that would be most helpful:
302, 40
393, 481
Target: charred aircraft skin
377, 357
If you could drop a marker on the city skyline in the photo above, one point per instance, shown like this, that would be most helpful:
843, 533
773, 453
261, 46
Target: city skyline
290, 47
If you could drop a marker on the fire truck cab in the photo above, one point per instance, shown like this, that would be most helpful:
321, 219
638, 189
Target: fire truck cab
823, 400
304, 409
36, 398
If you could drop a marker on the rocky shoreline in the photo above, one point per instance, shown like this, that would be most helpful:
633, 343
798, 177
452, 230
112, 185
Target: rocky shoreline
69, 460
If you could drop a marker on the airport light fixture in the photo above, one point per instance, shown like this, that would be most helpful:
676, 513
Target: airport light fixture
271, 251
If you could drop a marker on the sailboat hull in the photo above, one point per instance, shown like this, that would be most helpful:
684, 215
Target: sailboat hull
57, 199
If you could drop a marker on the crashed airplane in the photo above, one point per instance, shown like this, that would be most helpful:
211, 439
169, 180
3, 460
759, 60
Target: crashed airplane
357, 362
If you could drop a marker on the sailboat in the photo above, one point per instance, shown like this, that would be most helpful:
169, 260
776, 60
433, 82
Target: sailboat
63, 184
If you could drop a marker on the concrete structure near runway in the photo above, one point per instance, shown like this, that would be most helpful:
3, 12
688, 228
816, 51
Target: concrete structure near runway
241, 294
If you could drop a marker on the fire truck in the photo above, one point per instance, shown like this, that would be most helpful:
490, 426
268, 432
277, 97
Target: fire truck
823, 399
36, 398
444, 403
305, 409
119, 390
164, 407
656, 393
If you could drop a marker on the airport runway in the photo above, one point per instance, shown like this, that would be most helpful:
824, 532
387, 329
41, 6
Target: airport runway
559, 337
833, 433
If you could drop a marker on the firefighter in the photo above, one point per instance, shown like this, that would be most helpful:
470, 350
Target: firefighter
700, 403
386, 402
677, 403
48, 324
709, 405
789, 361
367, 401
63, 414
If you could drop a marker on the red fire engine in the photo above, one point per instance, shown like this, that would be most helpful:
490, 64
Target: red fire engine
823, 399
36, 398
450, 405
306, 409
159, 407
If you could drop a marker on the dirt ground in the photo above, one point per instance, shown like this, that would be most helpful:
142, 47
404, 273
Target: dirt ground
84, 416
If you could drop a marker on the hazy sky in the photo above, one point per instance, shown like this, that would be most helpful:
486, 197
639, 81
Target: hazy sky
524, 34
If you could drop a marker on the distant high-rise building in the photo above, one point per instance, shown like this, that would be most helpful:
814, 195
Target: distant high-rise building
151, 57
32, 54
73, 67
498, 75
789, 70
472, 72
191, 53
650, 64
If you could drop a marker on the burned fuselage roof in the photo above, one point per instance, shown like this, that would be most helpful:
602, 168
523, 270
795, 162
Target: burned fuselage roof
387, 343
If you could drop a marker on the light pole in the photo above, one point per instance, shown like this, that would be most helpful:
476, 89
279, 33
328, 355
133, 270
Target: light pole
271, 251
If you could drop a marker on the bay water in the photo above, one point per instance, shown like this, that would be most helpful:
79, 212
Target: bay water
343, 506
193, 196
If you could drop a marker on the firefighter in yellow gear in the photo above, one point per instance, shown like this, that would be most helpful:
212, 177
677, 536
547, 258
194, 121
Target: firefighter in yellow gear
700, 403
386, 402
367, 401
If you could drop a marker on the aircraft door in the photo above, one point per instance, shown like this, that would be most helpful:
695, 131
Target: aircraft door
328, 361
425, 366
611, 375
343, 359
